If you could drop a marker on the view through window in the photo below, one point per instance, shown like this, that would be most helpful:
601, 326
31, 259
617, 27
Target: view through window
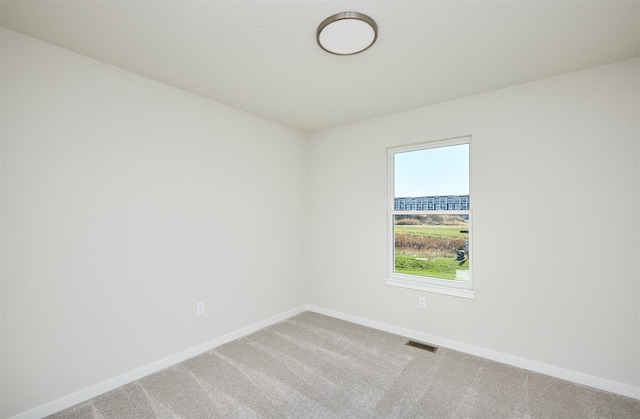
430, 213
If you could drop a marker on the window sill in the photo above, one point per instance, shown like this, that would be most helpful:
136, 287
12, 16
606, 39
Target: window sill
456, 292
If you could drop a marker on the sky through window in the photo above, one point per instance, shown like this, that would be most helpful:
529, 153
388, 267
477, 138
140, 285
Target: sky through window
432, 172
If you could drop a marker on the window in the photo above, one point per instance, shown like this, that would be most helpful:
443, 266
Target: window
430, 217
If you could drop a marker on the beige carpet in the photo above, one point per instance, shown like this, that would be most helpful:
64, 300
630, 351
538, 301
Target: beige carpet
313, 366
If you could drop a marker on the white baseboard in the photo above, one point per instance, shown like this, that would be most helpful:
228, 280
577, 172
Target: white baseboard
111, 384
576, 377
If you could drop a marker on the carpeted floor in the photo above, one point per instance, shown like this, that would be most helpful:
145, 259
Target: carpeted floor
313, 366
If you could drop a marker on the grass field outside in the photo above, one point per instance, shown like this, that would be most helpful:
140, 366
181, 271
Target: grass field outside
431, 245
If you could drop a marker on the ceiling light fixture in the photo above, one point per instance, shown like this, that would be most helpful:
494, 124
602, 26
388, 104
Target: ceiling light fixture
347, 33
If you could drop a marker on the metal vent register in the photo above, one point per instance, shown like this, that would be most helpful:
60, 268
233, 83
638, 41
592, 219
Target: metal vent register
423, 346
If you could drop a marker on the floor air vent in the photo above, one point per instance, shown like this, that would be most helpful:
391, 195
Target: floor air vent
422, 346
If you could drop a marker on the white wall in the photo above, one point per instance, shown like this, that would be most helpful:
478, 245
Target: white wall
124, 202
555, 199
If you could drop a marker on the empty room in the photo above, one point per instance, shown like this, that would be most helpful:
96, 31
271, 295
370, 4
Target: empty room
323, 209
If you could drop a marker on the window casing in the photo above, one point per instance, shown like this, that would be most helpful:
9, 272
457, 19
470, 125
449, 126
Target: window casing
430, 234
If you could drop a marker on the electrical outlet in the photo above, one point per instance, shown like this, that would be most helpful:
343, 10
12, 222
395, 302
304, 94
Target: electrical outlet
422, 303
200, 308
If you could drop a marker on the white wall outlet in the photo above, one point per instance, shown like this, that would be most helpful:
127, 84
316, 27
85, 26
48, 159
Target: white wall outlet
422, 303
200, 308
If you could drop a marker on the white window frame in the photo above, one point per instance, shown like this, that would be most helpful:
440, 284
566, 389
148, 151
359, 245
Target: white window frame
429, 284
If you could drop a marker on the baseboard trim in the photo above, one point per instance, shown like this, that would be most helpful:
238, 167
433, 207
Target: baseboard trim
576, 377
111, 384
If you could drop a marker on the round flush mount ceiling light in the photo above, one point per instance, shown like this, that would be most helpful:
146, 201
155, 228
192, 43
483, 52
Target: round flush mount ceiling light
347, 33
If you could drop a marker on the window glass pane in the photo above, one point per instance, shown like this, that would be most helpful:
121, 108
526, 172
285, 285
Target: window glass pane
432, 245
435, 172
